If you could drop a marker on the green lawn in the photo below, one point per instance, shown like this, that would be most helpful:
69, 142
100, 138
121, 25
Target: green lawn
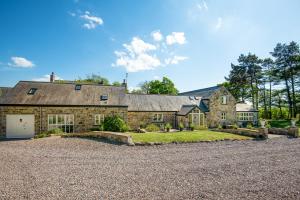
184, 136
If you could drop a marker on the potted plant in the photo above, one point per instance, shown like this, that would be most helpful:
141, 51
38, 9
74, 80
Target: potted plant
181, 126
168, 127
293, 122
263, 123
192, 127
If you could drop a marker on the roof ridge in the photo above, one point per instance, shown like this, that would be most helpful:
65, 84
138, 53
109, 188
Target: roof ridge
71, 83
202, 89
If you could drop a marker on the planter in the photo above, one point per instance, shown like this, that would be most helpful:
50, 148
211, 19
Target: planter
293, 123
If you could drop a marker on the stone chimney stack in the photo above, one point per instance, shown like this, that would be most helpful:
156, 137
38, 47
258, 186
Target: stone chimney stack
52, 77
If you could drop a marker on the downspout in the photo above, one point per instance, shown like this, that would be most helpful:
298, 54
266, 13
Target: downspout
40, 119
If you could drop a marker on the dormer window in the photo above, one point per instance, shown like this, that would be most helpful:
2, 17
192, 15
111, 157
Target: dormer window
32, 91
104, 97
77, 87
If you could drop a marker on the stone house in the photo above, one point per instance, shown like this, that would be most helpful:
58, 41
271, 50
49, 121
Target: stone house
32, 107
246, 114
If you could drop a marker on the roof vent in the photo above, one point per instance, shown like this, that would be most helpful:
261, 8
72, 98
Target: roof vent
32, 91
191, 97
104, 97
77, 87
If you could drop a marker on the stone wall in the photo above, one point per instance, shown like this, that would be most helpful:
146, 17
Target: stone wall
83, 116
137, 119
294, 132
214, 117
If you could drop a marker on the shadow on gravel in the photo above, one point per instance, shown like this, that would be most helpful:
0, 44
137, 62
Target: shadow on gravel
98, 140
14, 139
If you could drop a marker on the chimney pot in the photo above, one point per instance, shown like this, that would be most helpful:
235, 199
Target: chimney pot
52, 77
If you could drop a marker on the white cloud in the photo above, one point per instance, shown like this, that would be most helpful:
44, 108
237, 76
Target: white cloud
157, 36
139, 55
176, 37
175, 60
21, 62
46, 78
202, 6
219, 23
156, 77
91, 21
136, 56
138, 46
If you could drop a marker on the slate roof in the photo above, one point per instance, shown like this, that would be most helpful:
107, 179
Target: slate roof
4, 91
63, 94
244, 107
185, 109
140, 102
204, 92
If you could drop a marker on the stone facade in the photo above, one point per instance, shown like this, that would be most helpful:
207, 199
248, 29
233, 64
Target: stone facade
138, 119
83, 116
216, 108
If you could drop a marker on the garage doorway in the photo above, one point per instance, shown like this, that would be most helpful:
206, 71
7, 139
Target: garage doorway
19, 126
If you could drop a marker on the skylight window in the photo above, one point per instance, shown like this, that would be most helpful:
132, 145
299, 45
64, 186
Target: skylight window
104, 97
32, 91
77, 87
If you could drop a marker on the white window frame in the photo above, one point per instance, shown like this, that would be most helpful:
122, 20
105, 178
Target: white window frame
98, 119
224, 100
223, 115
66, 121
158, 117
245, 116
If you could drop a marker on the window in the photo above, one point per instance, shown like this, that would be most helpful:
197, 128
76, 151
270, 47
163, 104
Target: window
223, 116
77, 87
32, 91
245, 116
63, 122
224, 99
158, 117
99, 119
104, 97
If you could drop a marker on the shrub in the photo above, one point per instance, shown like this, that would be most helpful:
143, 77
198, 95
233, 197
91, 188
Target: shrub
143, 126
181, 126
219, 126
234, 126
192, 127
168, 126
152, 128
268, 125
42, 135
48, 133
55, 131
200, 128
114, 124
249, 126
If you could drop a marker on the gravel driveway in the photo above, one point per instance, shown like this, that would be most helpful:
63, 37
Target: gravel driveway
55, 168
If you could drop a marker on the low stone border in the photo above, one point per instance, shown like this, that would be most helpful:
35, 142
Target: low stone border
257, 133
203, 141
294, 132
113, 136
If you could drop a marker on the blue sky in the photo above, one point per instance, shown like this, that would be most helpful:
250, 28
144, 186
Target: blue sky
193, 41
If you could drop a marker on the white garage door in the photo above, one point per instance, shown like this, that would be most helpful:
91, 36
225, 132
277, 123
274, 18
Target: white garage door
19, 126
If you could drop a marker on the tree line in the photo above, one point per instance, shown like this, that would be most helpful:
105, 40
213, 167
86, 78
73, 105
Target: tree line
271, 84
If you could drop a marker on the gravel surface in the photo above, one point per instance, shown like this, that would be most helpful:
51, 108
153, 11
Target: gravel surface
56, 168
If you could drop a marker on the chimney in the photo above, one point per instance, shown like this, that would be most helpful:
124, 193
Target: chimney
52, 77
124, 84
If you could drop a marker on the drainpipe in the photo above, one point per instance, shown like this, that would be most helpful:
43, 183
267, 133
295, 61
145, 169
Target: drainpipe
40, 119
